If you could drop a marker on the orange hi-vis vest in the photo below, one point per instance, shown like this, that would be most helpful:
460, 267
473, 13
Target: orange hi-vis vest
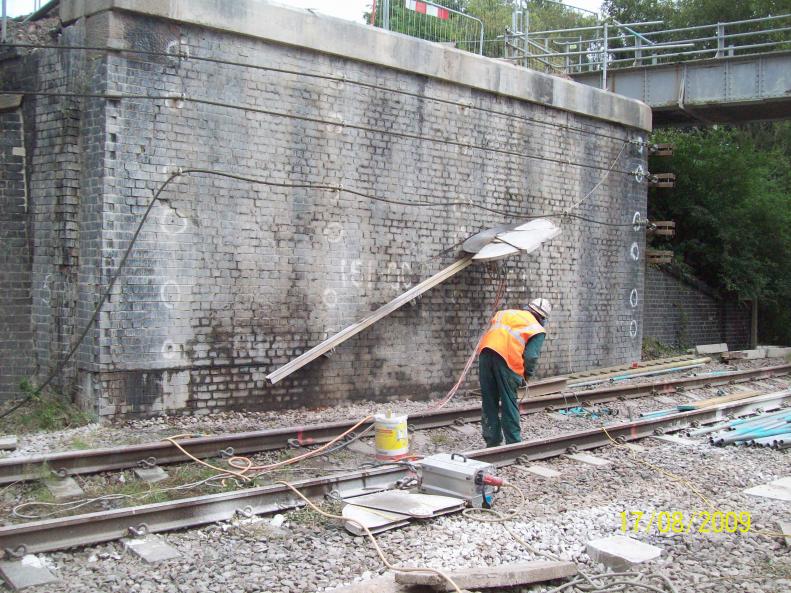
508, 336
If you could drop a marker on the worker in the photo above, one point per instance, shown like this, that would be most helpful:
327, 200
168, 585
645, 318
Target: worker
508, 355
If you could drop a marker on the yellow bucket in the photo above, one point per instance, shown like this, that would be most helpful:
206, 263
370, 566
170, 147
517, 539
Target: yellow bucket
392, 438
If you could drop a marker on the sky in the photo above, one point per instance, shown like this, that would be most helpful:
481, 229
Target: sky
345, 9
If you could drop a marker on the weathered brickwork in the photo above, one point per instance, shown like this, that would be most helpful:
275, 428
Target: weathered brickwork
230, 279
16, 356
681, 312
62, 214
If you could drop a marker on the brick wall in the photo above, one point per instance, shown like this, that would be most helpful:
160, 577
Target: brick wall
63, 170
230, 280
16, 356
683, 312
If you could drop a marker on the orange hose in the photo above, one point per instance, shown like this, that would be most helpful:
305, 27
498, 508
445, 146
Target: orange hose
247, 464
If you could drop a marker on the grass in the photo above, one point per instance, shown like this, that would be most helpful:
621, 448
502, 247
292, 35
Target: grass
440, 439
653, 348
80, 444
44, 411
307, 517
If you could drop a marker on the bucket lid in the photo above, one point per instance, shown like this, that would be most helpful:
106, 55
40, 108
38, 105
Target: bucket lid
392, 418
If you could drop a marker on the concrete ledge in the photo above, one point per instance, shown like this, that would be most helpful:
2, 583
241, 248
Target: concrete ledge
301, 28
489, 577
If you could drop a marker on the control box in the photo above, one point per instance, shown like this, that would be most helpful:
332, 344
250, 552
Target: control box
455, 475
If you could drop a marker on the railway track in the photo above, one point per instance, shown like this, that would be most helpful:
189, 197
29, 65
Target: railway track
93, 528
21, 469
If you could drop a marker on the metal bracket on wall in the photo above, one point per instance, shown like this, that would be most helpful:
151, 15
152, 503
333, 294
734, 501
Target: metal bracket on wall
661, 149
661, 180
662, 228
658, 256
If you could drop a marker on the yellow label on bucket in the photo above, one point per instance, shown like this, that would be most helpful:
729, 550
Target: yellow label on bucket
392, 438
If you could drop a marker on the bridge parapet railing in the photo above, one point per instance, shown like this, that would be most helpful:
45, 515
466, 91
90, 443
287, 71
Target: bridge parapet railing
611, 45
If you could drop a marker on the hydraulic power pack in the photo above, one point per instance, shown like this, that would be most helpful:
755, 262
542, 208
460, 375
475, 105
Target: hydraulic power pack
455, 475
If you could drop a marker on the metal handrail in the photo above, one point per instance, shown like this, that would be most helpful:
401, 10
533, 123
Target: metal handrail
697, 27
597, 52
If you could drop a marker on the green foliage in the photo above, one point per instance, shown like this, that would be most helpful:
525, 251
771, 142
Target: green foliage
45, 411
732, 207
496, 16
688, 13
653, 349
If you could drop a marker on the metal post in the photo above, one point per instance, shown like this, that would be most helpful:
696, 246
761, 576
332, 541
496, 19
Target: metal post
527, 37
720, 40
638, 52
754, 324
386, 15
546, 51
5, 23
606, 56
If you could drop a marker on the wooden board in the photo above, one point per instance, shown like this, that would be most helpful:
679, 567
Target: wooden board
508, 575
713, 401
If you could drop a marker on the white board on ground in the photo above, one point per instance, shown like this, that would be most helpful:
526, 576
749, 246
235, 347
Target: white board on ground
778, 490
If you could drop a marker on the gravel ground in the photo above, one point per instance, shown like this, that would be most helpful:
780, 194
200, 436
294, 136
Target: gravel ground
562, 514
152, 429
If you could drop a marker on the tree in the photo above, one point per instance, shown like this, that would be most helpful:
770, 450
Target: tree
732, 207
688, 13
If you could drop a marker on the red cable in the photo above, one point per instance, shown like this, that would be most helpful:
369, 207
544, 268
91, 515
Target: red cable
444, 401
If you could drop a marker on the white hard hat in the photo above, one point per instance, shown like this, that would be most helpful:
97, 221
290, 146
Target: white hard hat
541, 306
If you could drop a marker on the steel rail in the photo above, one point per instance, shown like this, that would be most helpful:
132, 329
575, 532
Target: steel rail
92, 528
21, 469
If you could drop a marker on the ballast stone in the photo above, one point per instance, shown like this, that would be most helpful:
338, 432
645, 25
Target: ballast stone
620, 552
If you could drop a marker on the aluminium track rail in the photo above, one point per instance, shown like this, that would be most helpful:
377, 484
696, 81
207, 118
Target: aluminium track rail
20, 469
93, 528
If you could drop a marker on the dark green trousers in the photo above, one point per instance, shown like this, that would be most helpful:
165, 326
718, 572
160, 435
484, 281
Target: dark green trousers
499, 385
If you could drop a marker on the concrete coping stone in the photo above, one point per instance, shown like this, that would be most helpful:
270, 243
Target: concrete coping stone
620, 552
64, 488
505, 575
27, 572
304, 29
777, 490
589, 459
151, 549
8, 443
